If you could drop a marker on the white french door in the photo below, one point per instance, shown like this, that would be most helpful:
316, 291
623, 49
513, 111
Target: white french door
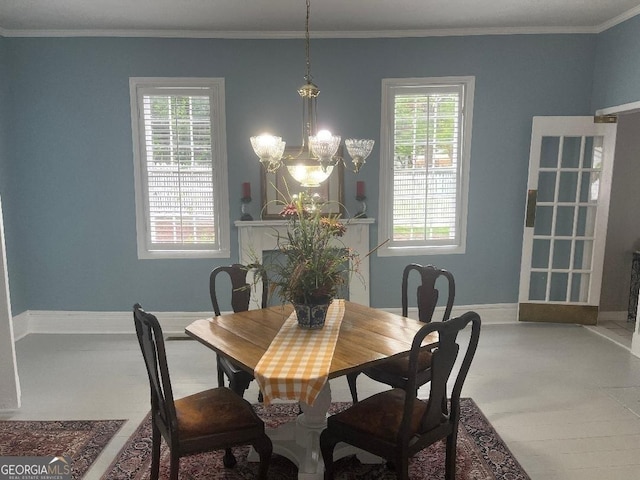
569, 185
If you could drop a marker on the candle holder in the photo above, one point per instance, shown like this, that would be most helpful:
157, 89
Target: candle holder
363, 209
246, 216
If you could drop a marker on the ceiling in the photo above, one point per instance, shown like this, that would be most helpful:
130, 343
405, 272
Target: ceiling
329, 18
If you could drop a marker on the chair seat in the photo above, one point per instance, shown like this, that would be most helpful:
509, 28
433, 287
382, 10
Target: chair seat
218, 410
380, 415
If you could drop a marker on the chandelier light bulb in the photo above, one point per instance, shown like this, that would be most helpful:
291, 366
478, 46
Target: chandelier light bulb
324, 145
324, 135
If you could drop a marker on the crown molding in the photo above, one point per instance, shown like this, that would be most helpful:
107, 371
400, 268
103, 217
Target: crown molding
619, 19
266, 35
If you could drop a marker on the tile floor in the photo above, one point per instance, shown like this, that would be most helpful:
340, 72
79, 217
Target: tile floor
619, 331
565, 399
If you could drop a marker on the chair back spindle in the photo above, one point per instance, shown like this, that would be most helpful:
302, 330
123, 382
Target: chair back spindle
427, 293
240, 289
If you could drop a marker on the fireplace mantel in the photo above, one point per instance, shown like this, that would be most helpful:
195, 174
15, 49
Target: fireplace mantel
258, 236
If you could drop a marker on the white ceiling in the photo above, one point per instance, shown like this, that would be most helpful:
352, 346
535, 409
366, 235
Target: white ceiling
329, 18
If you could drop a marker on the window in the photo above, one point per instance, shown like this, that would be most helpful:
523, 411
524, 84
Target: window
180, 166
424, 165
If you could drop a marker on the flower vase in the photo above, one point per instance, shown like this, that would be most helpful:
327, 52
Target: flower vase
311, 316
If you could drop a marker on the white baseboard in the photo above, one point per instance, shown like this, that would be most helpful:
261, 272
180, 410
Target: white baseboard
80, 322
70, 322
20, 325
491, 314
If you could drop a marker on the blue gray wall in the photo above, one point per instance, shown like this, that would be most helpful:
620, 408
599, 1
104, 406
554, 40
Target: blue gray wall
4, 118
4, 115
70, 201
617, 66
4, 125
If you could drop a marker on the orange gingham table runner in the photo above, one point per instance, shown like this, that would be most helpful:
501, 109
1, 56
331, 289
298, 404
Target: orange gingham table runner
296, 364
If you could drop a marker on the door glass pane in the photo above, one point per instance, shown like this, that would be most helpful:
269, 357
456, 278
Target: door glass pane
594, 186
586, 221
558, 292
585, 186
571, 152
544, 216
587, 161
582, 255
561, 253
564, 221
546, 186
597, 151
549, 152
567, 191
580, 287
538, 286
540, 253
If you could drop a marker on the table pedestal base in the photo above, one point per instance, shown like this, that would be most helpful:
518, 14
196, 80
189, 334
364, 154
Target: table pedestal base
299, 441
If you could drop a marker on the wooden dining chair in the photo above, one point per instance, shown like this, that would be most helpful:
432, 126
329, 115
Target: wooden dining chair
239, 379
394, 372
209, 420
395, 424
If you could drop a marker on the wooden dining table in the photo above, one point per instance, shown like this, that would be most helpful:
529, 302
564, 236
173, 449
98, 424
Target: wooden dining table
367, 337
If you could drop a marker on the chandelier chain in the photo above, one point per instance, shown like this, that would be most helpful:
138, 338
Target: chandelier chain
307, 50
318, 153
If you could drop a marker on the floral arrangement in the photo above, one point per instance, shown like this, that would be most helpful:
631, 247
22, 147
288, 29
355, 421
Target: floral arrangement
313, 264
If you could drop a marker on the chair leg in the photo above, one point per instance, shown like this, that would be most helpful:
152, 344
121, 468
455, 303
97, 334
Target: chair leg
220, 373
264, 447
238, 386
351, 379
401, 465
450, 459
229, 459
156, 440
260, 397
175, 465
327, 444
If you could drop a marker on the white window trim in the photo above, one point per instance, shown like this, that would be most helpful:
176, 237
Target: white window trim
385, 208
220, 173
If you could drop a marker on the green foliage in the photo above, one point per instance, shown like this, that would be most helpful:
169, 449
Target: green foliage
313, 264
425, 123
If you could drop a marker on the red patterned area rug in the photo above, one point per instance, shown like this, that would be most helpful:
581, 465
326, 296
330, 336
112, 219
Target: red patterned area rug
482, 455
81, 440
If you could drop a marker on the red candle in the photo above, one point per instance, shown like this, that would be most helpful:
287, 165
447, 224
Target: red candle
246, 190
360, 188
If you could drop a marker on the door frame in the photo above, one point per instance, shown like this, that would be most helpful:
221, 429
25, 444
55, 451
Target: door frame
10, 396
627, 108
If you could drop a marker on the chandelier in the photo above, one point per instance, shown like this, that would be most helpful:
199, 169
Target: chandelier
314, 162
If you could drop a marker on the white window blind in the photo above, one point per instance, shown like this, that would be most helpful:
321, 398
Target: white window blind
181, 169
424, 163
